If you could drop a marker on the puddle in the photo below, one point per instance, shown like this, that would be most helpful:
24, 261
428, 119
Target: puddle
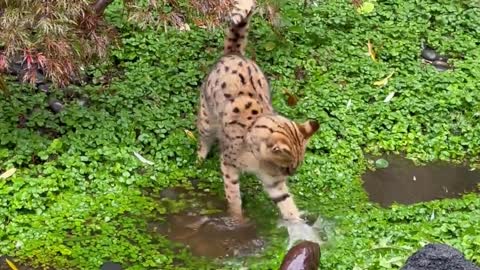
403, 182
206, 228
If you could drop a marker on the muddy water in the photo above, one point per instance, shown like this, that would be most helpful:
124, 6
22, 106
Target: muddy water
205, 233
405, 183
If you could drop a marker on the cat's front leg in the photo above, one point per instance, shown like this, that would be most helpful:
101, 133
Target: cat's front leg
277, 190
231, 183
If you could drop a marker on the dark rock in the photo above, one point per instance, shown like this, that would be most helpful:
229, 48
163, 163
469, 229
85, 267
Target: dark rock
441, 65
39, 78
438, 257
15, 68
442, 58
55, 105
111, 266
303, 256
44, 87
429, 54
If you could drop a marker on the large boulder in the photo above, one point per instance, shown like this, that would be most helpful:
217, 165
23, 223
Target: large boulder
438, 257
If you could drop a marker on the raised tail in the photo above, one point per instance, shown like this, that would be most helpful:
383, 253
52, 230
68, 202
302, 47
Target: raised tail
236, 36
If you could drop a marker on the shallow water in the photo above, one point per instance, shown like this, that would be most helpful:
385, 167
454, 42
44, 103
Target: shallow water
405, 183
211, 235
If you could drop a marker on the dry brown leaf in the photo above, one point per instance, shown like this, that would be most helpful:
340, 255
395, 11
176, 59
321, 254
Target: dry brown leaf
357, 3
292, 100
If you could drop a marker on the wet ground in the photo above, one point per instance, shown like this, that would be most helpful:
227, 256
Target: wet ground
403, 182
203, 226
5, 266
206, 228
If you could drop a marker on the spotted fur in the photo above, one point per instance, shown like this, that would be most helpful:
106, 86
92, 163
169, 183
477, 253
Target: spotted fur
235, 108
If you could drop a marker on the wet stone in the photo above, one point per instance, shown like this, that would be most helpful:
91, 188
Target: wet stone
429, 54
44, 87
303, 256
441, 65
404, 182
438, 257
111, 266
55, 105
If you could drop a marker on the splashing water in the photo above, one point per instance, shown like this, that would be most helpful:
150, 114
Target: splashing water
319, 232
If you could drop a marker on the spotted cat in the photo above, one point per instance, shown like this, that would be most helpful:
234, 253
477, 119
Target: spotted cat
235, 108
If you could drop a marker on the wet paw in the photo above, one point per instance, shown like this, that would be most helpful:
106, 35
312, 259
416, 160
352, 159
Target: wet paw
241, 221
238, 218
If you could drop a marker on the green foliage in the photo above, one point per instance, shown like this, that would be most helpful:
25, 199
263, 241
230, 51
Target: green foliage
77, 197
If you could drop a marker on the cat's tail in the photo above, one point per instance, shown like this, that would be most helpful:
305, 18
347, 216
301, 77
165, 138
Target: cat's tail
236, 36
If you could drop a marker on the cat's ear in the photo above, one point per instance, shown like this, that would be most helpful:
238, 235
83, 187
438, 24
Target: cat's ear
308, 128
277, 150
280, 150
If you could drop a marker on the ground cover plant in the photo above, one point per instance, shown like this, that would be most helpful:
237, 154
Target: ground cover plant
79, 195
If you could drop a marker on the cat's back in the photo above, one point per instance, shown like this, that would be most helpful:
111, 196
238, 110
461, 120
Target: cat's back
236, 79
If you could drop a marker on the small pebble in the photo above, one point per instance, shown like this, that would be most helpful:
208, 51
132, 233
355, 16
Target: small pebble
55, 105
43, 87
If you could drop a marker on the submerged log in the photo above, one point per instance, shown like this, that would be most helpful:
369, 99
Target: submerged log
303, 256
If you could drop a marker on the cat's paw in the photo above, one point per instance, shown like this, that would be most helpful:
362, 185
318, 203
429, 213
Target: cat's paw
201, 156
